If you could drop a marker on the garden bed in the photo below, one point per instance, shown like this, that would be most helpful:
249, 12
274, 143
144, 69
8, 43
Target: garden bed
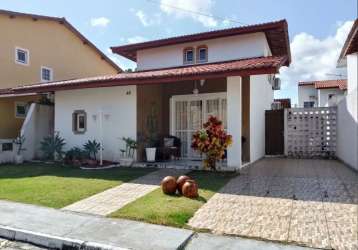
158, 208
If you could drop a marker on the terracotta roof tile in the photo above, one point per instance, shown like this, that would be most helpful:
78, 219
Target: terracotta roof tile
252, 66
276, 34
327, 84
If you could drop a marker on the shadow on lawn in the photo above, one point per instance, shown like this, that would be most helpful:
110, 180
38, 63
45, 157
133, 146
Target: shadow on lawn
37, 170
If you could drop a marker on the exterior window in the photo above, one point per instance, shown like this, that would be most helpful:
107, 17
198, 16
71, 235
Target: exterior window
202, 54
188, 56
79, 122
20, 110
46, 74
308, 104
7, 147
22, 56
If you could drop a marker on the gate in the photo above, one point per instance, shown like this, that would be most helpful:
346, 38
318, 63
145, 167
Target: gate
274, 132
311, 132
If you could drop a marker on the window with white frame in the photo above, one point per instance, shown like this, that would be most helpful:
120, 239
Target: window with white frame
79, 122
46, 74
188, 55
22, 56
202, 54
20, 109
308, 104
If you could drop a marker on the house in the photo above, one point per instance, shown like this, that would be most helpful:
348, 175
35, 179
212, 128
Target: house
325, 93
283, 103
36, 48
347, 140
179, 83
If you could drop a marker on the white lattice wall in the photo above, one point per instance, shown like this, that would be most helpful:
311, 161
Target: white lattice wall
311, 132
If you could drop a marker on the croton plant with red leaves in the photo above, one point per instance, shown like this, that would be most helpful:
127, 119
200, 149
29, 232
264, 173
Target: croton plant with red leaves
212, 141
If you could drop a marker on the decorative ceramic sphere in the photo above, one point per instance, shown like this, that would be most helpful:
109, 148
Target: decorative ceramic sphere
190, 189
180, 182
169, 185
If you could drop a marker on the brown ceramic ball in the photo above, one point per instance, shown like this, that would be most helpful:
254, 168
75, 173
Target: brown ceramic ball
190, 189
180, 182
169, 185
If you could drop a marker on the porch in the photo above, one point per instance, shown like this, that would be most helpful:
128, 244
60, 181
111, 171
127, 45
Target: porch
179, 109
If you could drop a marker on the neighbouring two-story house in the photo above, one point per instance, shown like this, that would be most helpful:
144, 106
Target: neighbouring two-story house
326, 93
179, 83
36, 48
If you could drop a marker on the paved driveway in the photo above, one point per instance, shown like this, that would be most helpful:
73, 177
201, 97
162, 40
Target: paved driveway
306, 202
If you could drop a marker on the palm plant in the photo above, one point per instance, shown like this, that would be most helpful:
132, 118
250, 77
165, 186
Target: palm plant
52, 147
92, 148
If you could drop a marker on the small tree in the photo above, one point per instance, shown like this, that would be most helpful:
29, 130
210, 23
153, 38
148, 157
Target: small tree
52, 147
212, 140
92, 148
19, 141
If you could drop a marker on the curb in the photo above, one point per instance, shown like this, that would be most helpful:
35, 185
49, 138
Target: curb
50, 241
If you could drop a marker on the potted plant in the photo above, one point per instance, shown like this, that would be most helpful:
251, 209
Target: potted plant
152, 136
19, 141
127, 154
212, 141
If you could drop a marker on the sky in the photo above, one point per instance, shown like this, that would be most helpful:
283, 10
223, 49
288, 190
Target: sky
317, 28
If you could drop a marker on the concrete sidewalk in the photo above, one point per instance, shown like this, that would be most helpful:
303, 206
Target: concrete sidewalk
51, 228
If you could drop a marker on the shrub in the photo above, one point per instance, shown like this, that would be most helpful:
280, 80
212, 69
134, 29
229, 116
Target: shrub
52, 147
213, 141
75, 153
92, 148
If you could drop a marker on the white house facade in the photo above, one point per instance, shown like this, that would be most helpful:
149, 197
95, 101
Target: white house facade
178, 84
347, 140
326, 93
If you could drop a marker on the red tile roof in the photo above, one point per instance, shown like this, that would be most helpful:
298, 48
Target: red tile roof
276, 34
63, 21
243, 67
327, 84
351, 44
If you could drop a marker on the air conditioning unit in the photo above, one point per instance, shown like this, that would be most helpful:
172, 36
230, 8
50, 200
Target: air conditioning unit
276, 84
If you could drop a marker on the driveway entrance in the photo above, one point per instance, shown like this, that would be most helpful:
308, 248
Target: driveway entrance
306, 202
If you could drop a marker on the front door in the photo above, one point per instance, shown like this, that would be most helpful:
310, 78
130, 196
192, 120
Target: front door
189, 112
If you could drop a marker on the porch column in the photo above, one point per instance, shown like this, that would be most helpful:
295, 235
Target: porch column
234, 120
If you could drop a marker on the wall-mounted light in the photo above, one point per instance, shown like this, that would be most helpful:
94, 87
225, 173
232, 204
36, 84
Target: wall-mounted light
202, 82
128, 92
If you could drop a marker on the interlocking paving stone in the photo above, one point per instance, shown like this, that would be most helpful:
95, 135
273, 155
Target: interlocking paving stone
115, 198
310, 202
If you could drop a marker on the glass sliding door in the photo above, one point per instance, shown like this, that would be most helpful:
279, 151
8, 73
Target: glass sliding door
189, 112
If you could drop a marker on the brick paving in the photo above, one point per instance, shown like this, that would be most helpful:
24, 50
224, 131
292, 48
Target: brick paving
307, 202
115, 198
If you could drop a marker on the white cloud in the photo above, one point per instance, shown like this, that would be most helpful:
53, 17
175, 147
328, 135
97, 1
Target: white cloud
201, 6
313, 58
100, 22
145, 19
136, 39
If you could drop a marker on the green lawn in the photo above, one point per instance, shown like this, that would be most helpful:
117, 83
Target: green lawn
58, 186
159, 208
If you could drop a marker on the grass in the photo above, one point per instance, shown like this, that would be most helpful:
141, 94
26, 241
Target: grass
158, 208
58, 186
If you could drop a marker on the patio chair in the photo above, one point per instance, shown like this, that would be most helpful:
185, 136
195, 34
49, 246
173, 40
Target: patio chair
170, 148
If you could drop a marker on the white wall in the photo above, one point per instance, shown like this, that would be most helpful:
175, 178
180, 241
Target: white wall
119, 105
304, 93
37, 125
323, 97
261, 98
7, 156
220, 49
234, 120
347, 134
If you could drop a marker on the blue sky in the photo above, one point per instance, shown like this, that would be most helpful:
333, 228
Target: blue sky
317, 27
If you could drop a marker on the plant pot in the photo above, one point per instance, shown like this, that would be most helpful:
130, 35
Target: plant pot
150, 153
126, 162
19, 159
